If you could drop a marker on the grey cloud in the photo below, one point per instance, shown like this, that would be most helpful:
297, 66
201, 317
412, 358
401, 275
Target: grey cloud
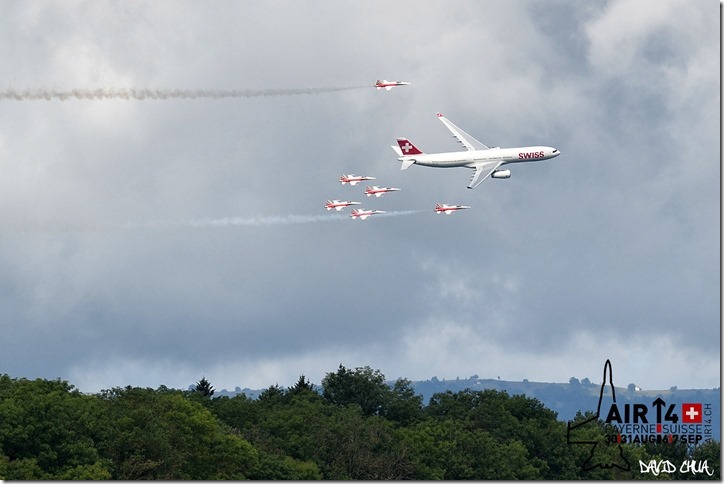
617, 238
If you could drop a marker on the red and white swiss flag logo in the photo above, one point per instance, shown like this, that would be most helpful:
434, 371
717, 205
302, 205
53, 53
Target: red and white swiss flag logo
691, 413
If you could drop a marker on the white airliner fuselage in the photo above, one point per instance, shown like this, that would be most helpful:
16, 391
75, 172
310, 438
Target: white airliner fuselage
484, 160
466, 158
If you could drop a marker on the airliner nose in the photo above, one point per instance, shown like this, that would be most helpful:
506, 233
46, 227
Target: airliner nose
555, 152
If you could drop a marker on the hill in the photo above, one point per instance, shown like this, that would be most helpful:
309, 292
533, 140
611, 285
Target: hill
566, 399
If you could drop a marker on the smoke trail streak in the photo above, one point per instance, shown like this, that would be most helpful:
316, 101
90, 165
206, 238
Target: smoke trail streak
260, 221
158, 94
55, 226
398, 213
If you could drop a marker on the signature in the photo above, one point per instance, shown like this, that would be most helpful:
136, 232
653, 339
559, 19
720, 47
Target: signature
656, 467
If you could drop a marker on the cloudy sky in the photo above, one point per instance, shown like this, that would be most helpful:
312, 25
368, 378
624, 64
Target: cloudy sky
149, 242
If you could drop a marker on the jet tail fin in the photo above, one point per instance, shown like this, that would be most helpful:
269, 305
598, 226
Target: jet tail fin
408, 148
405, 150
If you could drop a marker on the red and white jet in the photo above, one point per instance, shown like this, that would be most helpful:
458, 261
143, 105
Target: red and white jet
484, 160
354, 179
387, 85
363, 214
379, 191
448, 209
339, 205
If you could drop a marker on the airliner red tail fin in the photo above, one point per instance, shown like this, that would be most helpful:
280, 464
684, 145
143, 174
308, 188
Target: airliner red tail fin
408, 148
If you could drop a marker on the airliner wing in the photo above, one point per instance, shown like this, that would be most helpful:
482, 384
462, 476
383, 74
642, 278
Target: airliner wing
482, 171
468, 141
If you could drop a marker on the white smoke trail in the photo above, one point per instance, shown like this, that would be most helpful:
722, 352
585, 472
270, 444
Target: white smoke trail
158, 94
56, 226
258, 221
398, 213
261, 221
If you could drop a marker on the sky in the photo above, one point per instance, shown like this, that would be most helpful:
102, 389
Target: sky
151, 242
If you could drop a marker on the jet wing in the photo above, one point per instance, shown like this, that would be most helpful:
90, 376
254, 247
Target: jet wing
464, 138
483, 171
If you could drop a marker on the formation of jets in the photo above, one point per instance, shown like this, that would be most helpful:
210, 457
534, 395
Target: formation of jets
484, 160
387, 85
363, 214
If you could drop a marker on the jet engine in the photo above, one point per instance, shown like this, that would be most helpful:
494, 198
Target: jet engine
501, 174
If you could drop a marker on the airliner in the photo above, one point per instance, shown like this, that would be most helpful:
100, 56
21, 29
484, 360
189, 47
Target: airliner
485, 160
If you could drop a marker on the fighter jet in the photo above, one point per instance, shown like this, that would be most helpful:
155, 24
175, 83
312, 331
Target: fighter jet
339, 205
363, 214
354, 179
379, 191
387, 85
448, 209
483, 159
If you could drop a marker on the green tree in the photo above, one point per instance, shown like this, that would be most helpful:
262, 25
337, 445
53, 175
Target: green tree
362, 386
453, 449
282, 429
48, 429
449, 405
203, 387
273, 395
709, 452
164, 435
3, 465
403, 405
239, 412
352, 446
596, 458
301, 386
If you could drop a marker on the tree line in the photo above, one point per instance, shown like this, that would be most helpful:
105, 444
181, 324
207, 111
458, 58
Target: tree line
356, 426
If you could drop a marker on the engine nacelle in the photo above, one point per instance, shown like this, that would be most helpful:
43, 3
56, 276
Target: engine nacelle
501, 174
